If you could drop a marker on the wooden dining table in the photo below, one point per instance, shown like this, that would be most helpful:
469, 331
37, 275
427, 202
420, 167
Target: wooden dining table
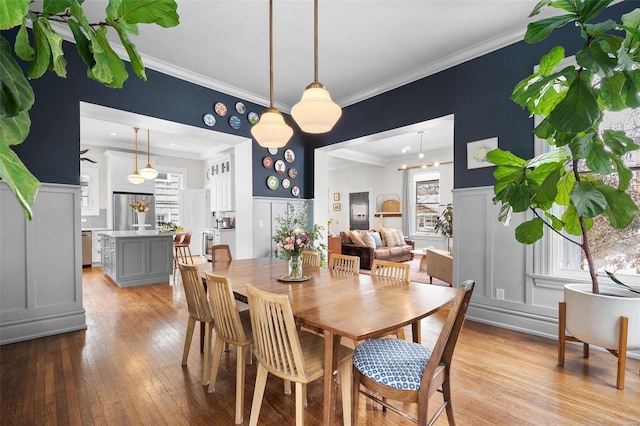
357, 307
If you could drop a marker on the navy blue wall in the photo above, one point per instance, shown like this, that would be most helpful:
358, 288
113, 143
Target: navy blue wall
477, 92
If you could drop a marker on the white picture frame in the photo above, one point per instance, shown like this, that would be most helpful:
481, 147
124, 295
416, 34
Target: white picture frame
477, 152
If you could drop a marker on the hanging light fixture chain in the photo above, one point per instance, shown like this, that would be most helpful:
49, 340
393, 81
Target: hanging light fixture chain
271, 102
135, 152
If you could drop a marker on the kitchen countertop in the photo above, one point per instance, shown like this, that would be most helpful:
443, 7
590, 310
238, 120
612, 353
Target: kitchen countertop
129, 234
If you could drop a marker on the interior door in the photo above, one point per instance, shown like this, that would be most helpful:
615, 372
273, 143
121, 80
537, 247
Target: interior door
359, 210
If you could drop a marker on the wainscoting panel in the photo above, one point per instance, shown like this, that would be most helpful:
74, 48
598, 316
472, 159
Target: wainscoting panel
489, 253
40, 267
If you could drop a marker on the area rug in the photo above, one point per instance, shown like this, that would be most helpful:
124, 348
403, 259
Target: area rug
416, 274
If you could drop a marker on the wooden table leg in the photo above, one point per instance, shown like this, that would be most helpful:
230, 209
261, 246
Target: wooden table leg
331, 345
416, 332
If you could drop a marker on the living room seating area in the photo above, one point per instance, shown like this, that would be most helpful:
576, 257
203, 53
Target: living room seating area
383, 244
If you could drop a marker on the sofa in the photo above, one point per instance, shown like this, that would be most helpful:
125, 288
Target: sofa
383, 244
438, 264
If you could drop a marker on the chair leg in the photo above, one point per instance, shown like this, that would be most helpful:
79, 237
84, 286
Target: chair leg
562, 322
190, 257
206, 366
258, 394
300, 402
187, 340
287, 387
622, 352
215, 364
344, 374
355, 395
240, 369
446, 395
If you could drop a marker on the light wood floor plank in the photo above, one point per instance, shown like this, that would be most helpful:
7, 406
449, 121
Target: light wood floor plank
125, 369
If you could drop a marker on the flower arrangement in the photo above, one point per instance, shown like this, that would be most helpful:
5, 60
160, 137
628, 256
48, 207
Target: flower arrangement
294, 235
140, 206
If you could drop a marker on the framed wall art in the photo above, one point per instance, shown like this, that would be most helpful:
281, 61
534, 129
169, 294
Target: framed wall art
336, 196
336, 207
477, 152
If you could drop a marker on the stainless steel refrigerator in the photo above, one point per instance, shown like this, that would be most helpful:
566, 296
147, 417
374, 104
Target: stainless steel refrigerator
123, 215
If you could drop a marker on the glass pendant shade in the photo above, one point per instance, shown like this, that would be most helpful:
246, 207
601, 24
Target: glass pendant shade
135, 178
272, 131
316, 112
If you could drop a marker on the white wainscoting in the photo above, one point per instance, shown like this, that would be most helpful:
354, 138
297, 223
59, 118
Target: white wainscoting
489, 253
40, 265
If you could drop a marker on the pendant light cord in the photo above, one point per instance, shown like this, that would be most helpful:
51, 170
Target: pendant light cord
315, 41
135, 153
271, 53
148, 163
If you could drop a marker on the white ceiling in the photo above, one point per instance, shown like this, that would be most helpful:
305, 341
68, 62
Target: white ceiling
365, 48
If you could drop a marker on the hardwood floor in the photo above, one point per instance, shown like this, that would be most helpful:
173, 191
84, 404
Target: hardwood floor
125, 370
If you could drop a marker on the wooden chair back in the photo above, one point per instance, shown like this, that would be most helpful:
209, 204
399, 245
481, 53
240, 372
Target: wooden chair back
275, 335
195, 293
310, 257
384, 268
226, 316
221, 253
344, 263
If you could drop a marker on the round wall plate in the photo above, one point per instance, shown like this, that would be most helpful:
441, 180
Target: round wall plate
273, 183
273, 151
295, 191
240, 108
209, 119
286, 183
234, 122
220, 109
280, 167
253, 118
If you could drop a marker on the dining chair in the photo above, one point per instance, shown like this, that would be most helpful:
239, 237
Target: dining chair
199, 310
291, 354
344, 263
310, 257
384, 268
408, 372
231, 327
221, 253
183, 248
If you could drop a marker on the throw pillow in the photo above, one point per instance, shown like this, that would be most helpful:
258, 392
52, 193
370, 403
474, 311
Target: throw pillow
345, 237
389, 237
377, 238
399, 238
357, 239
368, 239
383, 236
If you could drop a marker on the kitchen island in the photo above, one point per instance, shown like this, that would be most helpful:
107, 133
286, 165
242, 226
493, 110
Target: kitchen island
130, 258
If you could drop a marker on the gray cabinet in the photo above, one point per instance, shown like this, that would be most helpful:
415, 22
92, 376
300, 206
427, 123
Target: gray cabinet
131, 259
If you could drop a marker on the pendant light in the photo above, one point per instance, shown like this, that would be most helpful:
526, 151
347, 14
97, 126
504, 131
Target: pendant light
135, 177
421, 154
148, 172
271, 131
316, 112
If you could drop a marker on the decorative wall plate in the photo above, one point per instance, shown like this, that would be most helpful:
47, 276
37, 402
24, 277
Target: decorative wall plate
240, 108
280, 167
289, 156
220, 109
286, 183
293, 172
234, 122
295, 191
267, 162
273, 151
273, 183
209, 119
253, 118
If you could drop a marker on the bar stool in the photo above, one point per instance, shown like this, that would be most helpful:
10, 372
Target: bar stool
182, 248
177, 238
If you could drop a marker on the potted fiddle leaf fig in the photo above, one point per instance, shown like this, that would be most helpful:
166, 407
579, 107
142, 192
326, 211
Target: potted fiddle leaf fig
583, 176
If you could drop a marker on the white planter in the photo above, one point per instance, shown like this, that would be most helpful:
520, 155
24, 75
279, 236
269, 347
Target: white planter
595, 318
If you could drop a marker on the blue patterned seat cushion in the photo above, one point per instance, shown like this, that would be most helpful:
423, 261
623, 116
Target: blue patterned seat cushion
394, 362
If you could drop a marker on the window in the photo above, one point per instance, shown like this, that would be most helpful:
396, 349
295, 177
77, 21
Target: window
427, 202
167, 202
614, 250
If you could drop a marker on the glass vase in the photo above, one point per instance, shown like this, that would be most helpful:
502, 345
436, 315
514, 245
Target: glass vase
295, 267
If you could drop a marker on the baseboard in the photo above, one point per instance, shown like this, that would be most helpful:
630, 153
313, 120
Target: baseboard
33, 328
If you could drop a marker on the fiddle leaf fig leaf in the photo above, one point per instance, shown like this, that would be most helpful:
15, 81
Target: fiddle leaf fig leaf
16, 94
22, 183
12, 13
618, 142
579, 110
593, 57
551, 60
82, 43
588, 201
610, 92
43, 51
134, 56
22, 46
538, 31
631, 89
57, 63
518, 197
504, 215
621, 209
160, 12
631, 23
571, 221
624, 174
109, 68
565, 185
529, 232
52, 7
581, 145
555, 222
553, 156
504, 158
548, 190
599, 159
590, 9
